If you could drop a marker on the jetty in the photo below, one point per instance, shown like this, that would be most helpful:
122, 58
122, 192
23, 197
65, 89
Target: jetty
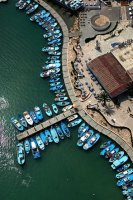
40, 127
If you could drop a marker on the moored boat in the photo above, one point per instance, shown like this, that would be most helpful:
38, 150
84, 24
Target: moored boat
66, 107
58, 87
118, 163
32, 9
71, 118
54, 80
61, 94
22, 121
47, 109
74, 122
62, 103
61, 98
19, 3
48, 135
17, 124
65, 129
28, 118
82, 130
105, 144
40, 142
34, 117
116, 156
110, 154
55, 108
34, 149
20, 154
59, 131
54, 53
52, 48
38, 113
59, 91
124, 167
54, 134
23, 5
27, 146
124, 173
44, 138
126, 179
107, 149
84, 138
55, 84
91, 141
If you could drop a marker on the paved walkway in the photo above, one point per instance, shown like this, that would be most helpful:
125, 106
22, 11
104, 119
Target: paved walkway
69, 87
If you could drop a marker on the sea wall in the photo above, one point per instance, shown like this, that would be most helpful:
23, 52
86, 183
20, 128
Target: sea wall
69, 87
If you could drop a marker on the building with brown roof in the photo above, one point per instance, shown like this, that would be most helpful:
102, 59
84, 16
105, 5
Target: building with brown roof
111, 74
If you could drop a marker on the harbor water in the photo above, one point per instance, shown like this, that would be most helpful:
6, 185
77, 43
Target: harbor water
64, 170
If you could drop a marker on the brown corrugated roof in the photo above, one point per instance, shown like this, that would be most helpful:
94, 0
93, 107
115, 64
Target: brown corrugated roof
111, 74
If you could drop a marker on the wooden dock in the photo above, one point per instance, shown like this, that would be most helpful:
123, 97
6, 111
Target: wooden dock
40, 127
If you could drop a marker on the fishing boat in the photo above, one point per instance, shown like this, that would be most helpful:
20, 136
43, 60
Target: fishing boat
34, 149
22, 120
62, 103
116, 156
118, 163
107, 149
54, 80
54, 41
91, 141
81, 127
66, 107
105, 144
17, 124
31, 10
124, 167
124, 173
58, 87
55, 109
84, 138
55, 84
71, 118
52, 61
54, 53
48, 135
61, 94
19, 3
28, 118
53, 57
34, 117
127, 191
74, 122
29, 7
38, 113
65, 129
49, 34
85, 130
24, 4
44, 138
53, 76
40, 142
51, 66
55, 37
59, 131
59, 91
54, 48
49, 72
126, 179
54, 134
20, 154
61, 99
110, 154
51, 25
27, 146
47, 109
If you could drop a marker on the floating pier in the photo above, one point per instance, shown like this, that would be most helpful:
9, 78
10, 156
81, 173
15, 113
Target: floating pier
40, 127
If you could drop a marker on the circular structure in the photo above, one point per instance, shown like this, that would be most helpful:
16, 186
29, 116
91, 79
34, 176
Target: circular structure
100, 22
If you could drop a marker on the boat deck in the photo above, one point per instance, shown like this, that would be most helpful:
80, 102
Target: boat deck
40, 127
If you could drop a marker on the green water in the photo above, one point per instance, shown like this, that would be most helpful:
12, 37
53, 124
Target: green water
64, 171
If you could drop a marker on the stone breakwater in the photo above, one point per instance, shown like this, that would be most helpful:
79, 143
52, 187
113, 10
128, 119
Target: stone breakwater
69, 87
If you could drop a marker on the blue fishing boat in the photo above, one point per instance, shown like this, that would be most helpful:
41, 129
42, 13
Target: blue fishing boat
44, 138
116, 156
111, 153
53, 57
55, 84
47, 109
31, 10
40, 142
24, 4
126, 179
54, 134
54, 53
34, 149
53, 76
105, 144
83, 131
124, 167
54, 41
59, 131
27, 146
20, 154
51, 25
128, 190
58, 87
61, 95
17, 124
118, 163
48, 135
22, 120
124, 173
59, 91
62, 103
91, 141
30, 6
54, 65
54, 80
49, 34
81, 127
54, 37
53, 48
52, 61
34, 117
74, 122
61, 98
55, 109
19, 3
38, 113
84, 138
65, 129
51, 72
107, 149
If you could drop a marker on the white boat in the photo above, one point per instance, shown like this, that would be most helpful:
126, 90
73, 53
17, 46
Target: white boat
67, 108
72, 117
28, 118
